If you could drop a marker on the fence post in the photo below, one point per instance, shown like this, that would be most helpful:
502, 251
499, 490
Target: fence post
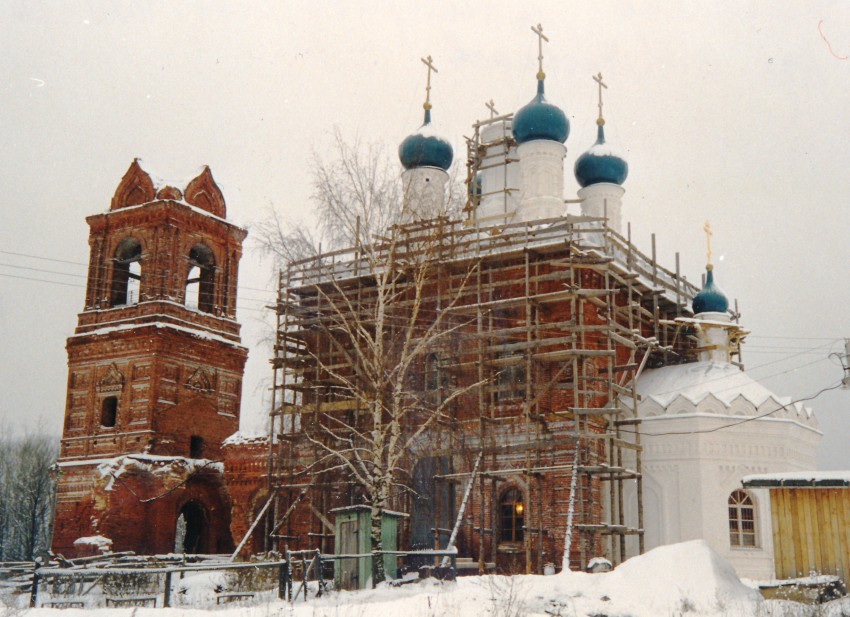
34, 590
304, 568
166, 596
282, 575
454, 565
320, 573
289, 575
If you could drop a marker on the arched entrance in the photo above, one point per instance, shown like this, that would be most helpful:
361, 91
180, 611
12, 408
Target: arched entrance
192, 533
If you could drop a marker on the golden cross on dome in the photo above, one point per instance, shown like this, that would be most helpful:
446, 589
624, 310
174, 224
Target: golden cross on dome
708, 234
492, 107
540, 38
430, 64
598, 79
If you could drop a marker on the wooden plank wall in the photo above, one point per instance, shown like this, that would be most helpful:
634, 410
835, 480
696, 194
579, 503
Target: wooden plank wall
811, 531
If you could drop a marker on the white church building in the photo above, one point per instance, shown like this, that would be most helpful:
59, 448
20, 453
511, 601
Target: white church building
706, 425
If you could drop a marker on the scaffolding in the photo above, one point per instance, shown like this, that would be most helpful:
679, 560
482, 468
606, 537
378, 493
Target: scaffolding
554, 321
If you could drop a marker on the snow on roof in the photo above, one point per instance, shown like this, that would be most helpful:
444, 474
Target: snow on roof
606, 149
798, 478
240, 438
154, 464
697, 380
202, 334
176, 201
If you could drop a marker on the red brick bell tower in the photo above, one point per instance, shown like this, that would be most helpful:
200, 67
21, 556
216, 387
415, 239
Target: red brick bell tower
155, 374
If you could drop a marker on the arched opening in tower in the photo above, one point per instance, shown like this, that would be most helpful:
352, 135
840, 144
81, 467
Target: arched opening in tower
192, 529
200, 280
126, 273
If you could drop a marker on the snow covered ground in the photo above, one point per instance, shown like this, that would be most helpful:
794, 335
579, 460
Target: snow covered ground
687, 579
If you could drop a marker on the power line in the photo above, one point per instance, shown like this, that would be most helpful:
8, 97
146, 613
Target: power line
29, 278
97, 266
81, 276
64, 261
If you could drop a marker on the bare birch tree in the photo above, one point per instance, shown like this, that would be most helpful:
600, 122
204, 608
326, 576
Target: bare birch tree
378, 313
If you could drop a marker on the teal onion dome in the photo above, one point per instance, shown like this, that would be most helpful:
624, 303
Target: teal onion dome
601, 164
425, 149
540, 120
710, 299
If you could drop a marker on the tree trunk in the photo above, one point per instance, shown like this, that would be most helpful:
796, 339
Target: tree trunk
378, 573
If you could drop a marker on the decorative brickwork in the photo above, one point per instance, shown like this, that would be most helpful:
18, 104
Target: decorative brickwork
155, 370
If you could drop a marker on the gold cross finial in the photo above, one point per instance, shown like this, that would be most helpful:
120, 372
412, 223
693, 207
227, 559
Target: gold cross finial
707, 228
540, 38
492, 107
430, 64
598, 79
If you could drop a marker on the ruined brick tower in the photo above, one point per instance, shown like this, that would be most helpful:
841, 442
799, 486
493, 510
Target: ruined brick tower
155, 374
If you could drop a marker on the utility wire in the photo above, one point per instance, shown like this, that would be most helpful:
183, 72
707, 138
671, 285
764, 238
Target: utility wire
97, 266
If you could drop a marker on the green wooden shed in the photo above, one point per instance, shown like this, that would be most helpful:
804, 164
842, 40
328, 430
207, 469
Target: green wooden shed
352, 537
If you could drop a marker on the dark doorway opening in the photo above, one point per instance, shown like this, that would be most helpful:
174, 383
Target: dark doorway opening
109, 411
196, 446
191, 531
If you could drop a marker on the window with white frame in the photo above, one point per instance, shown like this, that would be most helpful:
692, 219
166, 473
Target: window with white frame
742, 520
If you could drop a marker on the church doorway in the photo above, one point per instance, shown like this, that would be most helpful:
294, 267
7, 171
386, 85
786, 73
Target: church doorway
192, 529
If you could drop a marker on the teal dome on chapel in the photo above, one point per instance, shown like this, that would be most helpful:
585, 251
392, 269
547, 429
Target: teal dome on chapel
710, 299
425, 148
600, 164
540, 119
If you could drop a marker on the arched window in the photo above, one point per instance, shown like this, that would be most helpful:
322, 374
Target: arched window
109, 411
126, 273
200, 281
742, 520
511, 516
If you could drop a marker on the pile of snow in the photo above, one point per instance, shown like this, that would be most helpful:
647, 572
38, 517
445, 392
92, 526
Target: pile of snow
101, 543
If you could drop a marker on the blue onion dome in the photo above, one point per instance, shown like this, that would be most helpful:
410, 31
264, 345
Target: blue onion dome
710, 299
425, 148
601, 163
540, 120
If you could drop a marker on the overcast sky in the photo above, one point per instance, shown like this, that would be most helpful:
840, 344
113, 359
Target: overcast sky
733, 112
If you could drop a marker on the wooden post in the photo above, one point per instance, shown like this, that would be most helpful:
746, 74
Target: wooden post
539, 522
34, 591
288, 575
320, 574
166, 594
282, 575
304, 568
